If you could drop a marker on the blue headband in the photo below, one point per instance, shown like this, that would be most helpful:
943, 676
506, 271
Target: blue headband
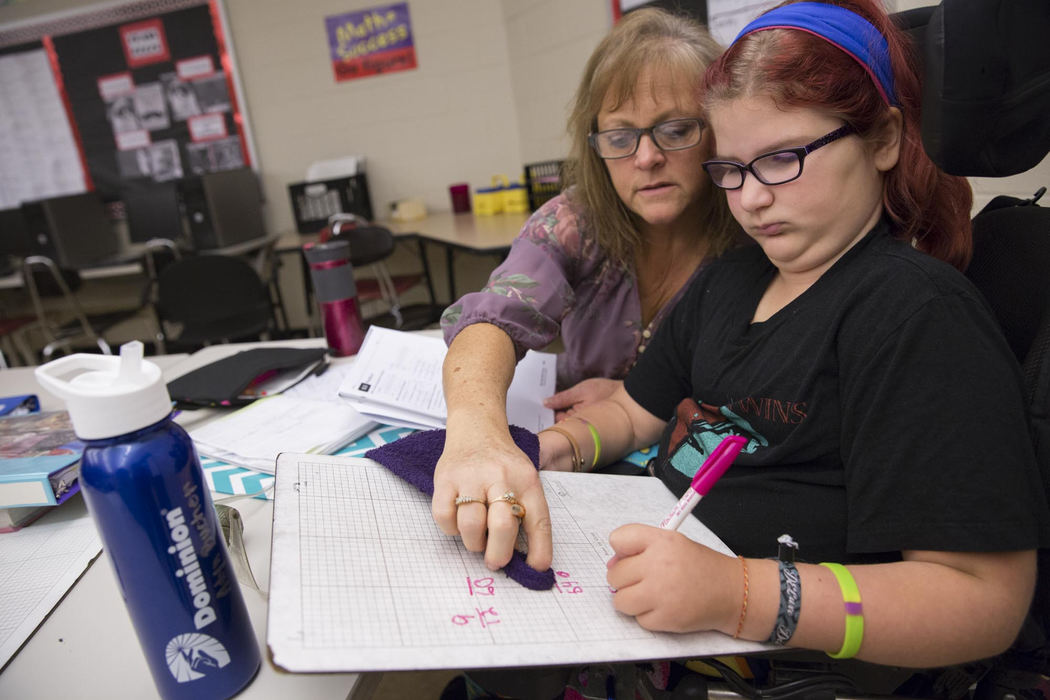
839, 27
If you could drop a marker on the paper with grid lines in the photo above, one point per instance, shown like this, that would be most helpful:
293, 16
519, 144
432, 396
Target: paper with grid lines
38, 565
363, 580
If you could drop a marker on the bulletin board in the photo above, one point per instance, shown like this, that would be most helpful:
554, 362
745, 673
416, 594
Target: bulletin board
149, 90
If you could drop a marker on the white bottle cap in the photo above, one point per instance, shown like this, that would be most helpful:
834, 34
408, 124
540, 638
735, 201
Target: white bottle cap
108, 396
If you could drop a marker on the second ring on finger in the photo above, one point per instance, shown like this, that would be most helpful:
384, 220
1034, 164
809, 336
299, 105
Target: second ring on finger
516, 508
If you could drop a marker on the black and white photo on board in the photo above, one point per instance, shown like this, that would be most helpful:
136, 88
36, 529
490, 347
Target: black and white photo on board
212, 93
182, 99
165, 162
122, 115
133, 163
151, 107
212, 156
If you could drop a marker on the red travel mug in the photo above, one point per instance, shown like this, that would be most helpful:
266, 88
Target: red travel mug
333, 280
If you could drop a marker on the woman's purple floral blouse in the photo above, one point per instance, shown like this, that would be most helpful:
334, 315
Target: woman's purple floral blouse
557, 280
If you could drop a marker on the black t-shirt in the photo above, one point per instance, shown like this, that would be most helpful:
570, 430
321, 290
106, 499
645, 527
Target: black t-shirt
883, 408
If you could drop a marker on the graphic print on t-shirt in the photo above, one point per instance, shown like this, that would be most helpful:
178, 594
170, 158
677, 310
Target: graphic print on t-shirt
697, 431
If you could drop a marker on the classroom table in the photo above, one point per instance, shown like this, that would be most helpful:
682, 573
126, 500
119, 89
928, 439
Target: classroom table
129, 259
477, 235
87, 647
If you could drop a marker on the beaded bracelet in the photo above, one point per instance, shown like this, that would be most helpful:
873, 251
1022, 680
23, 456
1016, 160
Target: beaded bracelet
577, 460
854, 612
595, 436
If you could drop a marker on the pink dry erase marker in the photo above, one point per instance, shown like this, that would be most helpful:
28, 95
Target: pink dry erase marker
709, 472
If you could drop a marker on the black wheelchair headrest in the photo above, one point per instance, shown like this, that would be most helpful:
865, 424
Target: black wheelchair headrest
986, 85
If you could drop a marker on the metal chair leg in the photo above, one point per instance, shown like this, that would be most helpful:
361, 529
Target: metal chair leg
34, 294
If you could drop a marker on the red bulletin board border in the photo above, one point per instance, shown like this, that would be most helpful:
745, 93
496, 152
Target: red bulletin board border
227, 66
56, 72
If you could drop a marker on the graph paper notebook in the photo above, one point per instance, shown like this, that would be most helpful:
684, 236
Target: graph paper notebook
362, 579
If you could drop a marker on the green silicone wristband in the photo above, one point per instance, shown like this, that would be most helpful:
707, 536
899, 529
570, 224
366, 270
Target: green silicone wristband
594, 436
854, 612
597, 445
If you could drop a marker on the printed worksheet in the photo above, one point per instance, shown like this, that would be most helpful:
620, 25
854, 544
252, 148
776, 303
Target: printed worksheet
363, 580
396, 379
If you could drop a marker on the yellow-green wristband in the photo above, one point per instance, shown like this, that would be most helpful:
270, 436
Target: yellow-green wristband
597, 440
854, 612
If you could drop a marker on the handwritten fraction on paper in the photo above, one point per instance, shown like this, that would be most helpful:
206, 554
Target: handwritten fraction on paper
363, 580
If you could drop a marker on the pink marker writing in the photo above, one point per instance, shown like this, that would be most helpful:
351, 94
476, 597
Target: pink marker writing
709, 472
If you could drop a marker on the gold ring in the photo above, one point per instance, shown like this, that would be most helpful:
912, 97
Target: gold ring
516, 508
463, 500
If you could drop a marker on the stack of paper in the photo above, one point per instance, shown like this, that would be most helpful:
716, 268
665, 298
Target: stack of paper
396, 379
253, 436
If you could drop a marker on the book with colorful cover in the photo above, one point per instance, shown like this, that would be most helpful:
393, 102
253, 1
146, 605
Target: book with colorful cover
39, 459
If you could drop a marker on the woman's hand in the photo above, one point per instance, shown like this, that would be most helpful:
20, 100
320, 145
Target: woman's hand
480, 460
487, 469
670, 583
588, 391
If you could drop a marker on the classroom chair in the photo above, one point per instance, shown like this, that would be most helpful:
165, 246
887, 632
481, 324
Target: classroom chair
986, 95
371, 245
43, 278
210, 299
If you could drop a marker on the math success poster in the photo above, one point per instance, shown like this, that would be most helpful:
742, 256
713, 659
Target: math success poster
370, 42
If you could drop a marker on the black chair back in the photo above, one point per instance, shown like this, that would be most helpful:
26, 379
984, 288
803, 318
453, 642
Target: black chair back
211, 299
986, 97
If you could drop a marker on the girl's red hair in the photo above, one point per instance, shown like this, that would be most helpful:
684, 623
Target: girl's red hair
797, 69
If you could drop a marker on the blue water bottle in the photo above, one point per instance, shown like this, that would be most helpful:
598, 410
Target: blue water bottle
145, 490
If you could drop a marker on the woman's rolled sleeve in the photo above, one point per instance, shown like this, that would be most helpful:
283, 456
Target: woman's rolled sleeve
530, 293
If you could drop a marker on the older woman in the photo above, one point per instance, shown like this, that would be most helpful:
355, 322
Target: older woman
599, 266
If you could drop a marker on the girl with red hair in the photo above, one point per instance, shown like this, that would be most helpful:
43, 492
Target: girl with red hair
882, 408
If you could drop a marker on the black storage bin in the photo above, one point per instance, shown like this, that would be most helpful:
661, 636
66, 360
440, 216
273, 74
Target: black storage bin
314, 202
542, 181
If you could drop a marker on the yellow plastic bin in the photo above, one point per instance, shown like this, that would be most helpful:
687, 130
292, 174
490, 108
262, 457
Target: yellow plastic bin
515, 198
488, 201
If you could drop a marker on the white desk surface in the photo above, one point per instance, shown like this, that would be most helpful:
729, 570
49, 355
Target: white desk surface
87, 647
479, 234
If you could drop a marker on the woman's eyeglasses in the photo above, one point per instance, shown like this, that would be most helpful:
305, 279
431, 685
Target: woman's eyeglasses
673, 135
774, 168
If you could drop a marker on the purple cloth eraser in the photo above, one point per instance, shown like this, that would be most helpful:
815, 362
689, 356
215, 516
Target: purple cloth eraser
414, 457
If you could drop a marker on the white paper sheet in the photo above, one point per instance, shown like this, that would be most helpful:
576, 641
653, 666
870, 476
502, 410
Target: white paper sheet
362, 579
41, 562
396, 377
254, 435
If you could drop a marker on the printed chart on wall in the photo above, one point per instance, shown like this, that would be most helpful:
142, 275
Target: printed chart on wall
362, 579
38, 153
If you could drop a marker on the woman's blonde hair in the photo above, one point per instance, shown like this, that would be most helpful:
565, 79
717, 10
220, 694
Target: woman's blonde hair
665, 44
